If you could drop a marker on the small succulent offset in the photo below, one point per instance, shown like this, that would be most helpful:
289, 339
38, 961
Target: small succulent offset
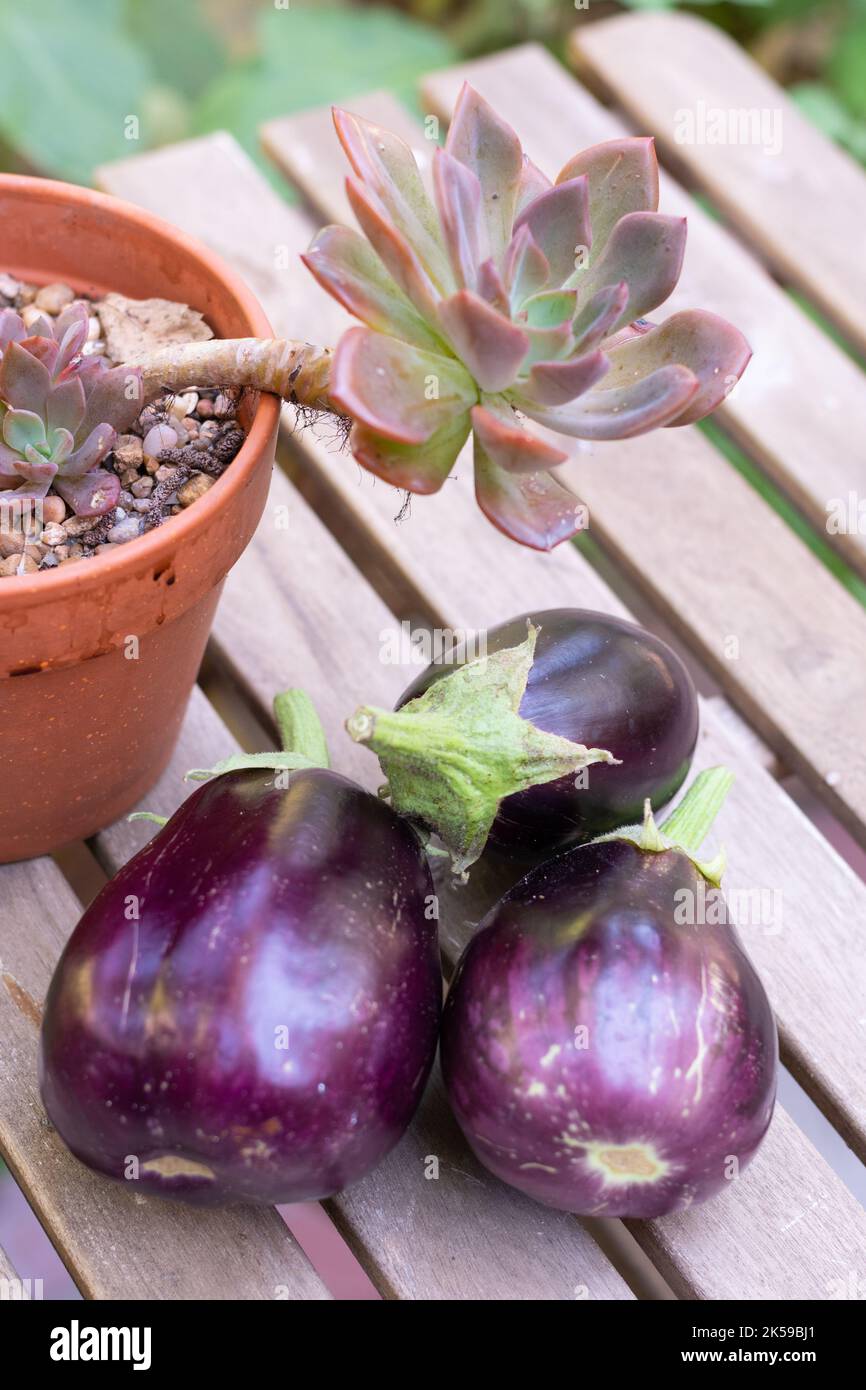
506, 295
60, 411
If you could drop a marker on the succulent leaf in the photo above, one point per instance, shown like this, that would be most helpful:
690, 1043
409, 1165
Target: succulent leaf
506, 292
623, 177
559, 222
508, 445
715, 351
419, 468
346, 265
458, 198
555, 383
396, 390
645, 250
531, 508
60, 411
386, 166
491, 346
487, 145
623, 411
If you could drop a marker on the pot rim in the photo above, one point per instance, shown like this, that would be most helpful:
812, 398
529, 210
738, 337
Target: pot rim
160, 544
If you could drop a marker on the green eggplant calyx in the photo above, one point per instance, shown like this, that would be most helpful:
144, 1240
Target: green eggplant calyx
452, 754
686, 827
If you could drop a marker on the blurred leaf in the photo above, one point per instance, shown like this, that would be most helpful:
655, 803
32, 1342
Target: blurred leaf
822, 106
185, 51
70, 79
310, 55
847, 67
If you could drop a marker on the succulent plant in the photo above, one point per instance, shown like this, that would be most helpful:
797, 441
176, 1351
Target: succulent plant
59, 412
505, 295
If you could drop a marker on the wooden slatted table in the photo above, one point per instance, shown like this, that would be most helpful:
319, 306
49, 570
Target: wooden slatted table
308, 606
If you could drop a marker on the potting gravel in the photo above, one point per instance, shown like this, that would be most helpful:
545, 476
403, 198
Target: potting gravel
174, 454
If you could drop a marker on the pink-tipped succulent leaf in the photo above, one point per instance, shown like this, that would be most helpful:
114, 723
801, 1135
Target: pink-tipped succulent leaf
503, 294
60, 412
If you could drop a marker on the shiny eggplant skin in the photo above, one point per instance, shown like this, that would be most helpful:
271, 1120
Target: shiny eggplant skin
598, 1055
262, 1029
600, 681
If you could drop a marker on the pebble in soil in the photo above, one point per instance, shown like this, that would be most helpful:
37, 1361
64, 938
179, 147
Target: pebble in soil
181, 444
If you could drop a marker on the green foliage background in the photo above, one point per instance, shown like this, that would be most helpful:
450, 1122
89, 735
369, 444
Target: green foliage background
73, 72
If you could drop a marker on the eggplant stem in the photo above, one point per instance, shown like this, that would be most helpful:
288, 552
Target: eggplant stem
300, 727
689, 825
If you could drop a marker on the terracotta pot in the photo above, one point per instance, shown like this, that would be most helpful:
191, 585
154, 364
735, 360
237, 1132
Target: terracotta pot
97, 660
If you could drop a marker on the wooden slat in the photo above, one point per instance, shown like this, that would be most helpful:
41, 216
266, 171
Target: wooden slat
801, 401
311, 620
115, 1242
461, 573
802, 1243
803, 207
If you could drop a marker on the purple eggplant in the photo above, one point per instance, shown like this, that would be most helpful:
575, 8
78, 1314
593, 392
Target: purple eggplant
604, 1051
595, 680
249, 1010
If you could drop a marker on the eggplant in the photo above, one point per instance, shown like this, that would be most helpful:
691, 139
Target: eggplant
249, 1010
595, 680
601, 1051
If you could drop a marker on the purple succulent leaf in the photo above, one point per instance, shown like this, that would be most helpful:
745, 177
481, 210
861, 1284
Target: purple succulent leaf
22, 428
34, 488
546, 345
491, 346
491, 286
345, 264
646, 250
623, 177
531, 508
526, 268
710, 347
559, 222
71, 343
458, 198
393, 249
114, 397
97, 444
9, 461
24, 380
93, 494
556, 383
41, 327
532, 184
12, 328
624, 411
551, 308
593, 321
487, 145
400, 392
387, 166
65, 406
508, 445
419, 468
74, 313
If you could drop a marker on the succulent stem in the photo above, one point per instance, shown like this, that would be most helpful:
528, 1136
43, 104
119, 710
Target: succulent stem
298, 372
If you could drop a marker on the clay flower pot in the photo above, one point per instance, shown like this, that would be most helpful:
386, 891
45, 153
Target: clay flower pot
97, 659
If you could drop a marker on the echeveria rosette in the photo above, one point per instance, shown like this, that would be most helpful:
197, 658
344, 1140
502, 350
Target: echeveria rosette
60, 411
506, 295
